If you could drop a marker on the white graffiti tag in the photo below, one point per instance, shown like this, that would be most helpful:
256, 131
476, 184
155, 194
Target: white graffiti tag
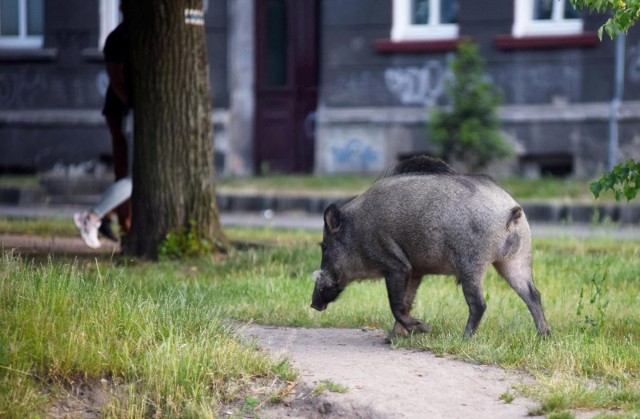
418, 85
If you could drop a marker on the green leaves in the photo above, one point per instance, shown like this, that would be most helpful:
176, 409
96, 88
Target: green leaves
624, 14
623, 180
469, 131
185, 243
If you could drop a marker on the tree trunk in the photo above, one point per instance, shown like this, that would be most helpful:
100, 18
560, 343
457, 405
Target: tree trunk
173, 169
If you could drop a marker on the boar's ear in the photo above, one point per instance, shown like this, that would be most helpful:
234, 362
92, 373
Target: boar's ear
332, 219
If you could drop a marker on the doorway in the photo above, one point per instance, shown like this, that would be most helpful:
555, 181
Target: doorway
286, 85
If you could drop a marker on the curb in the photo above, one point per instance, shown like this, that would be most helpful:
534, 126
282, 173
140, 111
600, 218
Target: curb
537, 211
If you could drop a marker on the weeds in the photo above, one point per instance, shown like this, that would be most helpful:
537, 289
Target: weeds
329, 386
185, 243
507, 397
594, 314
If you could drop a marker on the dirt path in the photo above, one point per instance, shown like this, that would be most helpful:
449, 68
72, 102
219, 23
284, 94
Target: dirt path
384, 383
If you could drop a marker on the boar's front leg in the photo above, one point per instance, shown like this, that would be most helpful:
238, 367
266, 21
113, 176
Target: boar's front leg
402, 289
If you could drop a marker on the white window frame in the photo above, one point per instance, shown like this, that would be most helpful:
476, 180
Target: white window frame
525, 25
109, 19
22, 40
403, 30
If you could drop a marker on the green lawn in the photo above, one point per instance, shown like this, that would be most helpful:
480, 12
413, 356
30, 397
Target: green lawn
538, 189
161, 334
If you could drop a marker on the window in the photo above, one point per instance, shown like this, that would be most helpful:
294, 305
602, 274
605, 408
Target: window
21, 23
545, 17
417, 20
109, 18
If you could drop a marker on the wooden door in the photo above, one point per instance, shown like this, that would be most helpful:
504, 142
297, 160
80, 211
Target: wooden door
286, 85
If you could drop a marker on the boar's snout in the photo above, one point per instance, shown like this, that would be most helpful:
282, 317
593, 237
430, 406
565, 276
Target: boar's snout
325, 291
319, 307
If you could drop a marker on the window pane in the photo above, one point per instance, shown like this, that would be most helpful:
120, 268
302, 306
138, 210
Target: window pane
542, 9
448, 11
570, 12
35, 13
9, 18
276, 44
420, 12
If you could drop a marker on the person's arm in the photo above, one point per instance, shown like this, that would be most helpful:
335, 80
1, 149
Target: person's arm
115, 72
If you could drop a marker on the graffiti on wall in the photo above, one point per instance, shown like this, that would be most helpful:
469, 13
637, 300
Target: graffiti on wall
19, 89
418, 85
357, 87
539, 83
355, 155
102, 83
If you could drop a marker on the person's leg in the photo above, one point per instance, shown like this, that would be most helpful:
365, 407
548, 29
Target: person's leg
89, 222
106, 230
115, 195
123, 211
119, 145
121, 164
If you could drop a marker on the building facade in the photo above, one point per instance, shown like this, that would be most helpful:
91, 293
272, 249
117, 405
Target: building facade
332, 86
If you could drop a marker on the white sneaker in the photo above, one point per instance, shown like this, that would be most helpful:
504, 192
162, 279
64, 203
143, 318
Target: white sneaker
88, 229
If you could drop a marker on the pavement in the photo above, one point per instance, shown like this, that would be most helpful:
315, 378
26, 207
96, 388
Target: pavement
304, 211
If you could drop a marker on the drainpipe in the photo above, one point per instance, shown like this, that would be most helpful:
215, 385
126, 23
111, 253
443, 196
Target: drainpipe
618, 86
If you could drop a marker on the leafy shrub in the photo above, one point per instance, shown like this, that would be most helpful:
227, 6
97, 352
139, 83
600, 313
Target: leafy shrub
184, 243
622, 180
470, 130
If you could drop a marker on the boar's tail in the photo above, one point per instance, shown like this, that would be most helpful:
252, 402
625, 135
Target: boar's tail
420, 165
514, 216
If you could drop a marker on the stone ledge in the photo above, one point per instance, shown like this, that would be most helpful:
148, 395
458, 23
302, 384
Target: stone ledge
536, 211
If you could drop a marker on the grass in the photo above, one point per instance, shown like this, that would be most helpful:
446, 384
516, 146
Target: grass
162, 334
534, 189
547, 188
19, 181
285, 183
594, 353
163, 353
329, 385
45, 227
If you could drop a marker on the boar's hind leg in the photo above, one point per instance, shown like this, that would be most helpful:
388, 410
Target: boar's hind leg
472, 290
517, 272
410, 295
402, 290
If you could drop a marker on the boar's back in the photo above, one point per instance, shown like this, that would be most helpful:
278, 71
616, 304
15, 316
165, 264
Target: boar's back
420, 165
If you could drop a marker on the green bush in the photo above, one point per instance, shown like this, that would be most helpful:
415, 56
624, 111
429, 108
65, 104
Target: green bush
184, 243
469, 131
622, 180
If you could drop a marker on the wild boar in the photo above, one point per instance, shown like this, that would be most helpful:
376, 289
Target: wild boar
424, 218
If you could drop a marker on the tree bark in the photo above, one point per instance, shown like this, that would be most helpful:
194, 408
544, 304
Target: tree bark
173, 168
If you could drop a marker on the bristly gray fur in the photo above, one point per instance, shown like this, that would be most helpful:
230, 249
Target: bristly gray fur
420, 165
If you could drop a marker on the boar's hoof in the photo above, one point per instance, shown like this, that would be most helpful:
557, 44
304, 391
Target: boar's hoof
418, 326
414, 326
398, 330
545, 333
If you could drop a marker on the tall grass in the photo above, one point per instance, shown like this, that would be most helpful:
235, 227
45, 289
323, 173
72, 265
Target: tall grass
164, 354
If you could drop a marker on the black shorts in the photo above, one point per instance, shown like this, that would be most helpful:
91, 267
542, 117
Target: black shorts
113, 106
